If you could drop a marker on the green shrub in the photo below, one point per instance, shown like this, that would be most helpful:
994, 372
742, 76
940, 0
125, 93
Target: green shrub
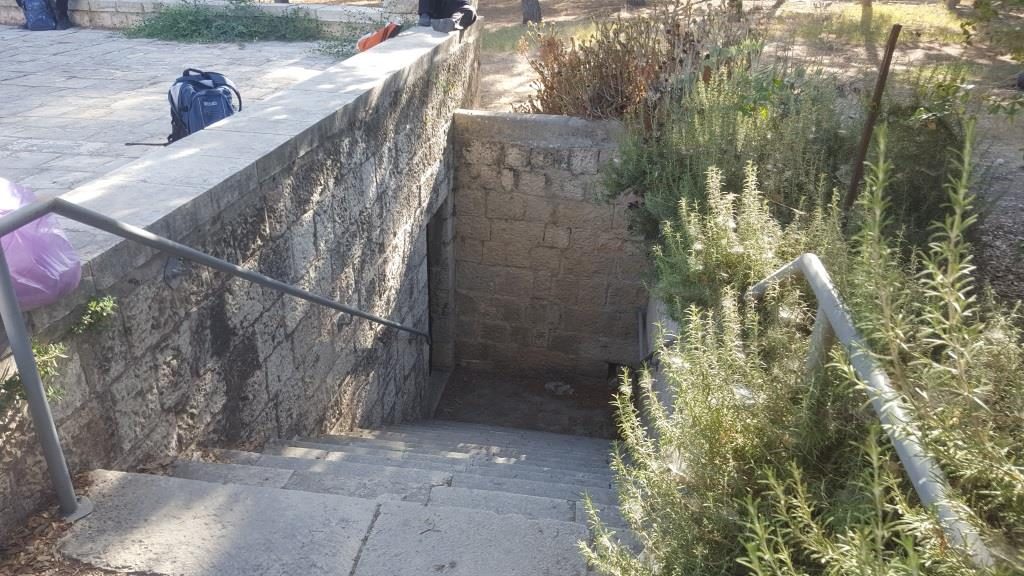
48, 357
97, 312
758, 467
784, 120
924, 112
239, 21
606, 75
627, 65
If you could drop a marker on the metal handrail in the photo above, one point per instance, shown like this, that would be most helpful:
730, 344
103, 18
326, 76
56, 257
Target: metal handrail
71, 506
833, 320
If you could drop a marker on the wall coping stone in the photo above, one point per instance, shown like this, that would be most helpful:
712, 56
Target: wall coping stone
175, 190
537, 129
134, 10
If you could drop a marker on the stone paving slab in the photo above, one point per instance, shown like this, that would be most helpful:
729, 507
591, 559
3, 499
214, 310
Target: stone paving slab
164, 525
410, 540
70, 100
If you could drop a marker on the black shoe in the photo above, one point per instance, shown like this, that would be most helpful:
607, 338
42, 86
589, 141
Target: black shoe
446, 25
63, 23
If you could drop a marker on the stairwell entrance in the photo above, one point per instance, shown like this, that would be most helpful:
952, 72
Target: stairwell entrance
547, 277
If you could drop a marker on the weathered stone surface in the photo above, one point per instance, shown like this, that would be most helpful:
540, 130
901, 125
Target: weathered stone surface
412, 540
224, 473
533, 487
172, 526
545, 269
532, 507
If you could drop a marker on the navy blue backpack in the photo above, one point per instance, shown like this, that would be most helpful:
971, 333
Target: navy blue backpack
38, 15
199, 99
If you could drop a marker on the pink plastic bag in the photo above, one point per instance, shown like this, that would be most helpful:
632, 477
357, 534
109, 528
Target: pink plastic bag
44, 265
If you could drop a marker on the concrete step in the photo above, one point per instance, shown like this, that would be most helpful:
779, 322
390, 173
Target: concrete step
532, 488
544, 474
485, 467
509, 437
471, 448
592, 465
371, 482
534, 507
411, 540
441, 424
173, 526
362, 456
226, 473
315, 449
499, 435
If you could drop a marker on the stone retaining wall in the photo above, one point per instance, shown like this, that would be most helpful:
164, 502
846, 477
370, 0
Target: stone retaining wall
548, 278
329, 185
118, 14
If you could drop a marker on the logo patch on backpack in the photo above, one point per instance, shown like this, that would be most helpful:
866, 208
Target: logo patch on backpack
199, 99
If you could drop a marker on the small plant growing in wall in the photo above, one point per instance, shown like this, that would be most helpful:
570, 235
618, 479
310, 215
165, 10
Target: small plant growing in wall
48, 357
97, 311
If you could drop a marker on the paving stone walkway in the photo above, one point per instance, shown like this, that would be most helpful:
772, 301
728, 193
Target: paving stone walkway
69, 101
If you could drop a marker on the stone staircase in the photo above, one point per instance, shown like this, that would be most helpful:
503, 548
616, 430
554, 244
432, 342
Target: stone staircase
430, 498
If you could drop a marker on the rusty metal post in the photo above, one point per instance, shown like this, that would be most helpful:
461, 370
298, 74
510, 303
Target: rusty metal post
869, 123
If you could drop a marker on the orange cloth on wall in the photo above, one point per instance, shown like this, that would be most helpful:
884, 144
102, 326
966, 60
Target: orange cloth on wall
390, 30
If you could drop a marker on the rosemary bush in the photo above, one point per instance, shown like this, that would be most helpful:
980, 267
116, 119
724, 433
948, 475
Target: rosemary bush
751, 465
783, 119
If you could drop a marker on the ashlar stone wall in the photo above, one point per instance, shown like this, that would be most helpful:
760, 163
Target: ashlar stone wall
330, 186
548, 277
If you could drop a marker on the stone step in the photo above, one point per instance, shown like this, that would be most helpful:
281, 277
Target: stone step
595, 478
413, 486
530, 434
482, 467
226, 473
367, 456
173, 526
484, 435
592, 458
411, 540
314, 449
532, 488
504, 503
332, 445
488, 434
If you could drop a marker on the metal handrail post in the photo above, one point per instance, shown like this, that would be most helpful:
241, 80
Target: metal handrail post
822, 338
71, 507
925, 475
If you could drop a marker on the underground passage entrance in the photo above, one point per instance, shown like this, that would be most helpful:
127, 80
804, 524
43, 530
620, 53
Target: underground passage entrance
534, 281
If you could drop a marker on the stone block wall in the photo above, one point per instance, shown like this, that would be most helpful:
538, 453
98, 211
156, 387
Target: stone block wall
548, 278
120, 14
329, 185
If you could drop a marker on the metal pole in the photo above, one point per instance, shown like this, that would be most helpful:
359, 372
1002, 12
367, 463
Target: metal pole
822, 339
42, 420
923, 471
869, 123
144, 237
